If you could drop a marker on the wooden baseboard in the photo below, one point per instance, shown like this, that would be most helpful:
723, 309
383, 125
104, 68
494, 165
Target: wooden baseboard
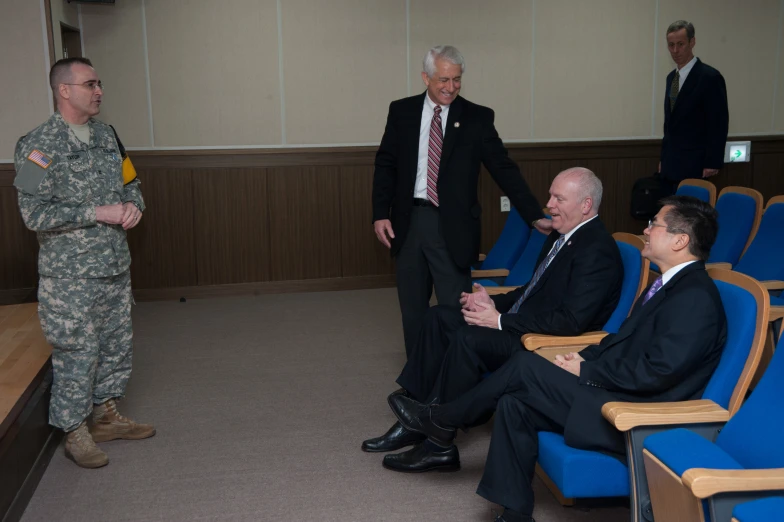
18, 296
272, 287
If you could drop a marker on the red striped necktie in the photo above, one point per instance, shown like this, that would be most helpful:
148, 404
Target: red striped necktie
434, 155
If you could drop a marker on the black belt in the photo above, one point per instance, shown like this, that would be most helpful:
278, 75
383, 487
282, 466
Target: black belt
419, 202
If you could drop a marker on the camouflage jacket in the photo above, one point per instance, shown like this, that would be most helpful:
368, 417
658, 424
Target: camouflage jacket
60, 182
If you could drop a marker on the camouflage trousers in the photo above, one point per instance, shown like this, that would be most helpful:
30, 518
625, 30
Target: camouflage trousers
88, 324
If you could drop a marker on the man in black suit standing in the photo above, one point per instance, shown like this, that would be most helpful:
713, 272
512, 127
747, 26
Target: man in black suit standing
576, 287
696, 117
666, 350
425, 206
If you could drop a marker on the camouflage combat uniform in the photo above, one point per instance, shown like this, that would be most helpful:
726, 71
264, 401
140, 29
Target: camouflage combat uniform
84, 291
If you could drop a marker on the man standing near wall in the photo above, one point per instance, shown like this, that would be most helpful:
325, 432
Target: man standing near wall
69, 175
425, 206
696, 117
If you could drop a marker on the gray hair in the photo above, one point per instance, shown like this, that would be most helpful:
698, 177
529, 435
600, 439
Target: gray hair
590, 185
682, 24
444, 52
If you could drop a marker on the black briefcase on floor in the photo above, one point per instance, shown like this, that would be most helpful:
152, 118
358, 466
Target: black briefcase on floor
646, 194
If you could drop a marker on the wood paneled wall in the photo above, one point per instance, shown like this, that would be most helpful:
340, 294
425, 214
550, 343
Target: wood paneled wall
285, 219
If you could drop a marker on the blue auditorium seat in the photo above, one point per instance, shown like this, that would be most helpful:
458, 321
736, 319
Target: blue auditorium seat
510, 243
577, 473
749, 443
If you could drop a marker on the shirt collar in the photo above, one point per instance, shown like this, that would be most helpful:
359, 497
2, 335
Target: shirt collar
430, 104
686, 69
669, 274
575, 229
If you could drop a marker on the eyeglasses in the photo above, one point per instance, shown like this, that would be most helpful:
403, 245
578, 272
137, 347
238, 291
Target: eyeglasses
651, 224
92, 84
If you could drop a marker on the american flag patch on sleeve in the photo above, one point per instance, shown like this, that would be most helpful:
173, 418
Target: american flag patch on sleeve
40, 159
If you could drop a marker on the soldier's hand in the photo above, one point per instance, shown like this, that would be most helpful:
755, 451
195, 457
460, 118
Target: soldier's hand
110, 214
131, 217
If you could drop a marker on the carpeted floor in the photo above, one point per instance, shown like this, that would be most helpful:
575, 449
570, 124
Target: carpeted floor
261, 404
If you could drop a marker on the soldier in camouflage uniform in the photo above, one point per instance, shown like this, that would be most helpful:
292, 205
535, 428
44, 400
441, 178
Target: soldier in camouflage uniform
72, 193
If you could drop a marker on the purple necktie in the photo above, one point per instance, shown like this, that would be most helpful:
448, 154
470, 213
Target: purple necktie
652, 290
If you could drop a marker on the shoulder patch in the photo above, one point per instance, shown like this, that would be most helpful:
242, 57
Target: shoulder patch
40, 159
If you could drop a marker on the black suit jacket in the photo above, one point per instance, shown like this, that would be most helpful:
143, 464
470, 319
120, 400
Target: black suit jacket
577, 293
695, 131
470, 141
666, 350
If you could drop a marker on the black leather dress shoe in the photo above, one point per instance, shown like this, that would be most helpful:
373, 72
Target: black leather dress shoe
416, 417
421, 458
395, 438
400, 391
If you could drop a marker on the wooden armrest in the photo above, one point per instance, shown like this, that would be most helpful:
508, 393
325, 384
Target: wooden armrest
723, 266
535, 341
498, 272
627, 415
776, 313
705, 483
495, 290
482, 257
773, 285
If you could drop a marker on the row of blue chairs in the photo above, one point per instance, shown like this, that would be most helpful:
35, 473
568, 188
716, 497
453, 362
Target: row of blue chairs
578, 474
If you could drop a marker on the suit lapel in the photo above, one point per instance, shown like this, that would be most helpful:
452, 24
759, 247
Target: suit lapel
411, 126
567, 251
455, 110
640, 311
689, 85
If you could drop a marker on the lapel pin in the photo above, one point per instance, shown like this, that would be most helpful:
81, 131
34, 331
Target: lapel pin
569, 243
457, 124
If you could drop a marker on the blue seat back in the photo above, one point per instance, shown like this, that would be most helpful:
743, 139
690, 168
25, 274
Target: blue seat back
700, 193
753, 435
740, 308
736, 218
632, 268
764, 259
510, 243
523, 269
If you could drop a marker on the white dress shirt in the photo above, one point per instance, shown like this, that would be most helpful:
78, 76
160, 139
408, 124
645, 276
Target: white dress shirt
428, 110
684, 71
669, 274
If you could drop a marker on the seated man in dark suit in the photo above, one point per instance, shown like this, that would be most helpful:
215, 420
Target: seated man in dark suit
575, 289
666, 350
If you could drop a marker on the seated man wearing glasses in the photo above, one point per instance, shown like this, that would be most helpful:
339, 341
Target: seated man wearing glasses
72, 192
666, 350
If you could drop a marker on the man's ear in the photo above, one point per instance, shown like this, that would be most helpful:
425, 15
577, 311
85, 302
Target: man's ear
587, 205
681, 241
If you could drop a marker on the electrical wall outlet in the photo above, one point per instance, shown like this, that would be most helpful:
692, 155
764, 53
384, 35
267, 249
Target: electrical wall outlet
505, 205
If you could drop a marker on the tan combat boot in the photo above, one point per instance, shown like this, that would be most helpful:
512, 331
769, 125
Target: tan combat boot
80, 447
108, 425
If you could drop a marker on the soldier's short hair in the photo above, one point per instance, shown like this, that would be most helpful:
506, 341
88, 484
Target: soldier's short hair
61, 70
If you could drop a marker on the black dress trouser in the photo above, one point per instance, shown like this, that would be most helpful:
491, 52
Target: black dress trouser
528, 394
423, 263
450, 357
